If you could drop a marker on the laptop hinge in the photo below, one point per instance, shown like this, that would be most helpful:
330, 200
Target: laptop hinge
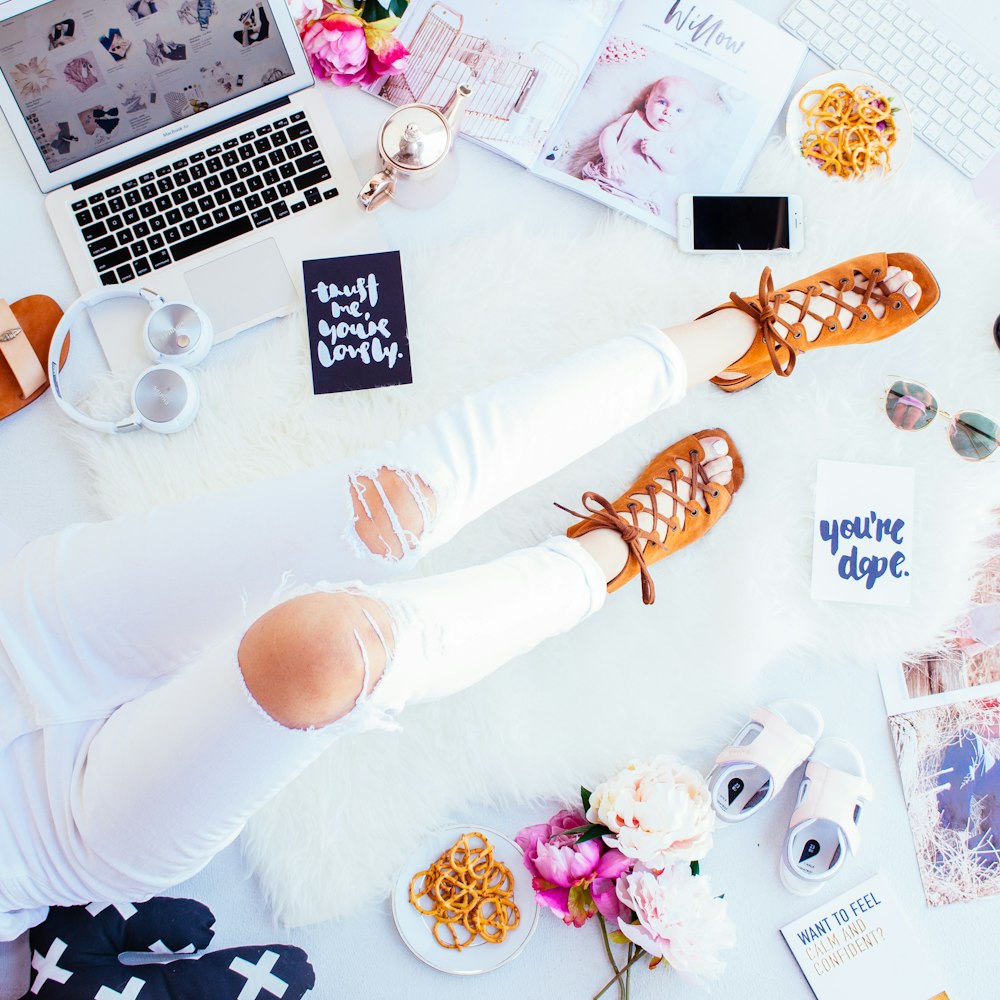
177, 143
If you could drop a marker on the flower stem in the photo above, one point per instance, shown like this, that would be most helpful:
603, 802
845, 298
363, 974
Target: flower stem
611, 960
617, 979
628, 968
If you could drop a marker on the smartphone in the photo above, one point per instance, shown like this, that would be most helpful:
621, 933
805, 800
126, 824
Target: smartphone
735, 223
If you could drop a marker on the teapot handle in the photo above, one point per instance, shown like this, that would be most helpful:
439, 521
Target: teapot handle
378, 190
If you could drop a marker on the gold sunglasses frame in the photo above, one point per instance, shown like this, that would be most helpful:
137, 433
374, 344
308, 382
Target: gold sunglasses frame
952, 418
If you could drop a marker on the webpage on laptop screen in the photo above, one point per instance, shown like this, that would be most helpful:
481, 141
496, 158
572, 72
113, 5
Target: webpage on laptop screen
89, 76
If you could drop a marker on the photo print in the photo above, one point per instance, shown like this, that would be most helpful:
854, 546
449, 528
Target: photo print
115, 44
219, 83
254, 26
32, 78
82, 72
61, 33
965, 663
944, 715
137, 95
198, 12
189, 101
160, 52
62, 139
948, 762
646, 128
99, 117
138, 9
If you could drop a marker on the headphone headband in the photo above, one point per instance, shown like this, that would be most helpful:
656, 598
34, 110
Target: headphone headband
134, 420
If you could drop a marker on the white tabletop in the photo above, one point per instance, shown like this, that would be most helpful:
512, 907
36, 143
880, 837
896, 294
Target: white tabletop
41, 489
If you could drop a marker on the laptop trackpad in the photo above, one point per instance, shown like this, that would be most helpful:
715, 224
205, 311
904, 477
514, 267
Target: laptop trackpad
242, 288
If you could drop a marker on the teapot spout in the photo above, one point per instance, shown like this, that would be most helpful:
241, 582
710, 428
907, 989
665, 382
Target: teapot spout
455, 108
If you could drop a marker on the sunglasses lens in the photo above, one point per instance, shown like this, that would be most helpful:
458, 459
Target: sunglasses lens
973, 435
909, 405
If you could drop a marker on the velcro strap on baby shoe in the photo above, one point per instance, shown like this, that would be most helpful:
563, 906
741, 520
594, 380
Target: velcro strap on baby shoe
778, 748
833, 795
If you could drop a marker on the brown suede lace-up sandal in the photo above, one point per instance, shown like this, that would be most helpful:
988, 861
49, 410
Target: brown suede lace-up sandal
878, 315
656, 493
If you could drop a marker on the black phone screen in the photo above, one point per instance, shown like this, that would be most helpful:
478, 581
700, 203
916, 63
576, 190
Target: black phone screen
740, 222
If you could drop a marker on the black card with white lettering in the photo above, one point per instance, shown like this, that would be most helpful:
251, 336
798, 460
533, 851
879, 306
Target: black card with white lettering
357, 322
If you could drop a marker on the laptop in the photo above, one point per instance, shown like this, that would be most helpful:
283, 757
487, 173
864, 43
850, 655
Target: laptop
180, 145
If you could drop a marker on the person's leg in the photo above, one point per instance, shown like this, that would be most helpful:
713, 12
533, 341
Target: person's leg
119, 604
171, 778
139, 597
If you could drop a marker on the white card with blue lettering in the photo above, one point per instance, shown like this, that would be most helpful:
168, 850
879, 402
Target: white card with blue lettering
860, 946
863, 534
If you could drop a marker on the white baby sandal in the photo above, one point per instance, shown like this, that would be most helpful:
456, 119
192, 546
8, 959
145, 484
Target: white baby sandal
824, 825
755, 766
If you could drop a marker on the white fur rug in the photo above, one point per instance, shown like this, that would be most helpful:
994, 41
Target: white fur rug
632, 680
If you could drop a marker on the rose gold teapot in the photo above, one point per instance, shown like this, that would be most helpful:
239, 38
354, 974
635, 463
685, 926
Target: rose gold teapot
414, 144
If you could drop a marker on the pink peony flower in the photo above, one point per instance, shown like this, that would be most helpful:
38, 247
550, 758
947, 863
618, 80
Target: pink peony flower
337, 48
679, 920
388, 54
575, 880
344, 48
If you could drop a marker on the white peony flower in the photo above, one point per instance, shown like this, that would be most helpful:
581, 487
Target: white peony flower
658, 812
305, 10
679, 920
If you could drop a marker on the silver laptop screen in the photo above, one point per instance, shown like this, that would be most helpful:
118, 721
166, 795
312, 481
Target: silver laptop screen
90, 75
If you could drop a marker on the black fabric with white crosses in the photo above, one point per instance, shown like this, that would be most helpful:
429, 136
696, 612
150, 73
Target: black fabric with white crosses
74, 956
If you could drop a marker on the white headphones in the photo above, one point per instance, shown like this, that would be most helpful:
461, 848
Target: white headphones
165, 397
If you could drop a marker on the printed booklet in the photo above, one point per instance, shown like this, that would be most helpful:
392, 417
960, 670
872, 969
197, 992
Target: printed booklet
861, 945
944, 715
630, 102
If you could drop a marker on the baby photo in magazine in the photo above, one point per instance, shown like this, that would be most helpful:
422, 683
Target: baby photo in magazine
647, 128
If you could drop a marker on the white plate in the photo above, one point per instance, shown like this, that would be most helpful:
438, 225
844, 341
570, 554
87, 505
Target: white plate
416, 929
795, 122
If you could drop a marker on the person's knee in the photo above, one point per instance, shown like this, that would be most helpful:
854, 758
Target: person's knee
392, 510
306, 661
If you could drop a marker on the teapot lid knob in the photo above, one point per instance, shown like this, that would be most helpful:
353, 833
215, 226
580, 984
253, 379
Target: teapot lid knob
415, 137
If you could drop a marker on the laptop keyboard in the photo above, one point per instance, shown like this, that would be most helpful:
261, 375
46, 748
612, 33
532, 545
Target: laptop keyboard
203, 199
954, 101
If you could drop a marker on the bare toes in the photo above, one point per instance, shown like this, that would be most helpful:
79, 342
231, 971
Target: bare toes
719, 470
714, 447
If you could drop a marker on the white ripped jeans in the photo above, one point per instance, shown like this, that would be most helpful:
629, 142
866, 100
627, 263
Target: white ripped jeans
131, 751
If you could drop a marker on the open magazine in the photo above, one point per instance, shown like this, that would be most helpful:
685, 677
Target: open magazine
629, 102
944, 714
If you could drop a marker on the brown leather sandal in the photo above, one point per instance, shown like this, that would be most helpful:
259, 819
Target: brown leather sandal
780, 342
645, 546
26, 328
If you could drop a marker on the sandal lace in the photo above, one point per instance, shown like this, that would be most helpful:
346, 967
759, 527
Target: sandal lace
764, 313
601, 513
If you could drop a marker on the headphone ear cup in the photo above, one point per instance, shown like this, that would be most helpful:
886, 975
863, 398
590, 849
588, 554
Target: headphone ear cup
178, 333
165, 399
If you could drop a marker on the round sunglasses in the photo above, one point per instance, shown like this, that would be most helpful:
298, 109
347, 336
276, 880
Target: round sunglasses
911, 406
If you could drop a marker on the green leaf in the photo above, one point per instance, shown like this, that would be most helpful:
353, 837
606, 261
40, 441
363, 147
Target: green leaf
616, 937
585, 799
398, 7
695, 868
579, 829
595, 830
581, 904
372, 10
